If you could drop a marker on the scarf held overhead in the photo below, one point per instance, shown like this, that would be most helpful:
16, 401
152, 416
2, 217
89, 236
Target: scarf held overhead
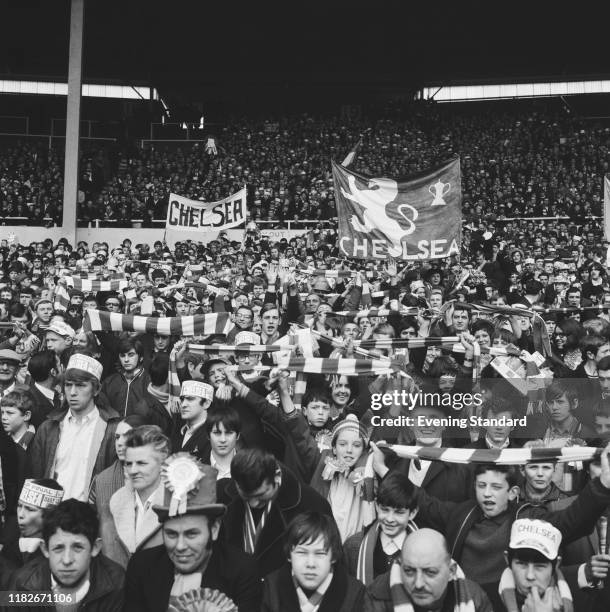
194, 325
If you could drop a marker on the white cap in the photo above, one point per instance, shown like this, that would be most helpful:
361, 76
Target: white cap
40, 496
247, 337
86, 364
197, 389
61, 329
536, 535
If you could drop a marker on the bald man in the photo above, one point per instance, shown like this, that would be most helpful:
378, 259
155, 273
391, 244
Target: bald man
425, 578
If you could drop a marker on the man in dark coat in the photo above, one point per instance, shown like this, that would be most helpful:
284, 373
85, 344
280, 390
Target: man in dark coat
72, 563
159, 576
425, 578
195, 400
445, 481
43, 370
266, 497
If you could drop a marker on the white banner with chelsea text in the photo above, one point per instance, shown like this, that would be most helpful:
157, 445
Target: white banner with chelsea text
193, 220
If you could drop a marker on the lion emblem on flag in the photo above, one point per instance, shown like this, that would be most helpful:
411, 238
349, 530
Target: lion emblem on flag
382, 215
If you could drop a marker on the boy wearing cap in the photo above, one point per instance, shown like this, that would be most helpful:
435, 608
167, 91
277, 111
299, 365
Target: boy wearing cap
533, 581
23, 543
190, 557
74, 445
59, 338
195, 400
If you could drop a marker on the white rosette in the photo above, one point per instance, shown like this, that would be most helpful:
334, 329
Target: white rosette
181, 474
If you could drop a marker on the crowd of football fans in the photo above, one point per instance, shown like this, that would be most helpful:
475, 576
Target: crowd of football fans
286, 370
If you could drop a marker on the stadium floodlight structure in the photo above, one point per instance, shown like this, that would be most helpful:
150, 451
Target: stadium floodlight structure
89, 90
473, 92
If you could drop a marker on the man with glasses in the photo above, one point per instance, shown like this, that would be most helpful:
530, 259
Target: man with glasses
266, 496
113, 303
243, 319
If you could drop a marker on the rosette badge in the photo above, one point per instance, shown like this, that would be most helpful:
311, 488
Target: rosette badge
182, 474
190, 488
202, 600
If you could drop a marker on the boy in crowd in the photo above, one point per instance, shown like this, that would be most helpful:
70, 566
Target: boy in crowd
565, 429
372, 551
478, 531
532, 581
313, 578
22, 541
16, 408
72, 566
128, 386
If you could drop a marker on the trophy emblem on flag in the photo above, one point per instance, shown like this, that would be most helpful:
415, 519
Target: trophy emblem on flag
439, 190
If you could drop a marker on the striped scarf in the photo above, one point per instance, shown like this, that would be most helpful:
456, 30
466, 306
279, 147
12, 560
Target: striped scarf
174, 385
376, 312
194, 325
340, 367
329, 273
364, 567
571, 309
61, 300
506, 456
2, 495
540, 335
88, 285
94, 275
253, 532
561, 595
231, 348
312, 603
402, 602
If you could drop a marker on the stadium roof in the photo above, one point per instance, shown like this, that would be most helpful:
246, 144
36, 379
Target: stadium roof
193, 44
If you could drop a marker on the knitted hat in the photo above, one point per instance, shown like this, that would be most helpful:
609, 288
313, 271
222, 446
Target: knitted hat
350, 422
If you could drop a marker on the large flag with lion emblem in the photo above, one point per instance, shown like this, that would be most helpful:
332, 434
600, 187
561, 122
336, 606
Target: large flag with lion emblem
419, 218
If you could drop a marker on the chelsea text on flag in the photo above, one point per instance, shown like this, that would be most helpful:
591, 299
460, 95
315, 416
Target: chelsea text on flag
191, 215
418, 218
